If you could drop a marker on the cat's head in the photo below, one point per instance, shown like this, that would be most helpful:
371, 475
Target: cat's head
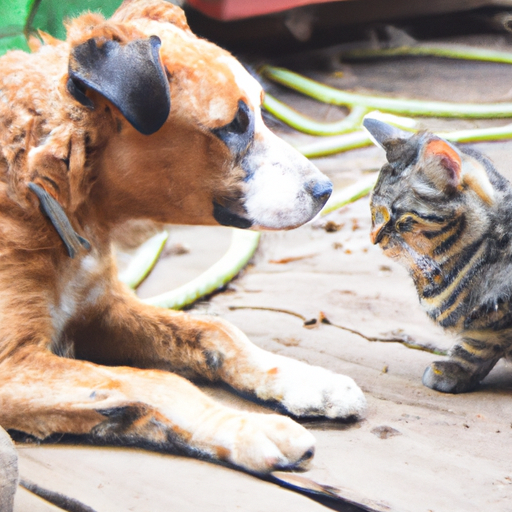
426, 196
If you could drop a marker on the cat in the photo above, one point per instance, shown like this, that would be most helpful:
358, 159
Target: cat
445, 213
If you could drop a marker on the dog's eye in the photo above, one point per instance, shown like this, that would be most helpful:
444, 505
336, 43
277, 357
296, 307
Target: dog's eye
241, 121
238, 134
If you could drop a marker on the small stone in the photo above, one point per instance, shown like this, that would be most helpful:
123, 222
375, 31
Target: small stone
323, 319
331, 227
385, 432
309, 324
177, 249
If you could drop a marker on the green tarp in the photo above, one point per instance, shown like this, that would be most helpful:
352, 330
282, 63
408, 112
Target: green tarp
20, 18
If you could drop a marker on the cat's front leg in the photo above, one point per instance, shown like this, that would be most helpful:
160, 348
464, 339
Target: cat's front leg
468, 364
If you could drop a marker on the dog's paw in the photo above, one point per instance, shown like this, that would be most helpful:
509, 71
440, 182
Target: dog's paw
261, 443
309, 391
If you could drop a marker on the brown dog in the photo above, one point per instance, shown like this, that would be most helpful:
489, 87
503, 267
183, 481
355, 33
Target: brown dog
88, 143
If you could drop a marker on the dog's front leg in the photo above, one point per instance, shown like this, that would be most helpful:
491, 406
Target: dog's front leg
43, 394
208, 347
296, 387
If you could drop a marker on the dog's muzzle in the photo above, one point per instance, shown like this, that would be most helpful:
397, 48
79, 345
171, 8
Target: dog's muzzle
317, 192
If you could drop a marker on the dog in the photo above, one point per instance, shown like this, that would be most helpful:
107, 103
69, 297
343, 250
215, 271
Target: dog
135, 118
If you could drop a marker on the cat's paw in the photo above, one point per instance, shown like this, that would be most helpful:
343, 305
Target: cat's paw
449, 377
312, 391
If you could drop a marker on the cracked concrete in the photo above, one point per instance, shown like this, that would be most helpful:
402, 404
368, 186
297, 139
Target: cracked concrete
395, 336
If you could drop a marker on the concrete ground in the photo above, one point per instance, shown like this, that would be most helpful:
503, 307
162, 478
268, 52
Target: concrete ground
417, 450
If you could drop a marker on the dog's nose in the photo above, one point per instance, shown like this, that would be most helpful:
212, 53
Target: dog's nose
321, 190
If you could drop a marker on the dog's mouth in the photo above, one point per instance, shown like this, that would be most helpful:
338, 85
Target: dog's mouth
273, 208
225, 216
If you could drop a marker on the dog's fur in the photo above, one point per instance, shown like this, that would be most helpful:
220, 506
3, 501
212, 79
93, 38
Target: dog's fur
79, 354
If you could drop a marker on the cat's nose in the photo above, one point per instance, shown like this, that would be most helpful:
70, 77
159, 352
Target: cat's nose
380, 219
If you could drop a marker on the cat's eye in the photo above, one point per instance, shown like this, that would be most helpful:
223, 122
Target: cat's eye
380, 216
380, 219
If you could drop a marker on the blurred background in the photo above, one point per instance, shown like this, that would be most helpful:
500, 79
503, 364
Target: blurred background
278, 26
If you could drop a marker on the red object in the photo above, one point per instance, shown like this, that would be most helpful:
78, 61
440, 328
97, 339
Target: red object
226, 10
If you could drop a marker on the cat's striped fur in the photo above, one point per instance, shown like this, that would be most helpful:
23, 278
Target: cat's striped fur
446, 213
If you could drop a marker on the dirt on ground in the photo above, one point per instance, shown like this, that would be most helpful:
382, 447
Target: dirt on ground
418, 450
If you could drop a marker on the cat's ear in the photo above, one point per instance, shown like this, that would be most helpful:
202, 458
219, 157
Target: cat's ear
474, 176
442, 164
382, 133
448, 169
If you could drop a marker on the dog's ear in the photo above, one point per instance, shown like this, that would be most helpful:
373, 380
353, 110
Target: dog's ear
129, 75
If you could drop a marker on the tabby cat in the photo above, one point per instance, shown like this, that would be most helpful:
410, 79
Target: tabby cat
446, 214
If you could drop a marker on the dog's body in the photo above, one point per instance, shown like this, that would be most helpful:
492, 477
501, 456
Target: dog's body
68, 329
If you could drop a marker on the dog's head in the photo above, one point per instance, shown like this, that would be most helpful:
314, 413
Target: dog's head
189, 144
